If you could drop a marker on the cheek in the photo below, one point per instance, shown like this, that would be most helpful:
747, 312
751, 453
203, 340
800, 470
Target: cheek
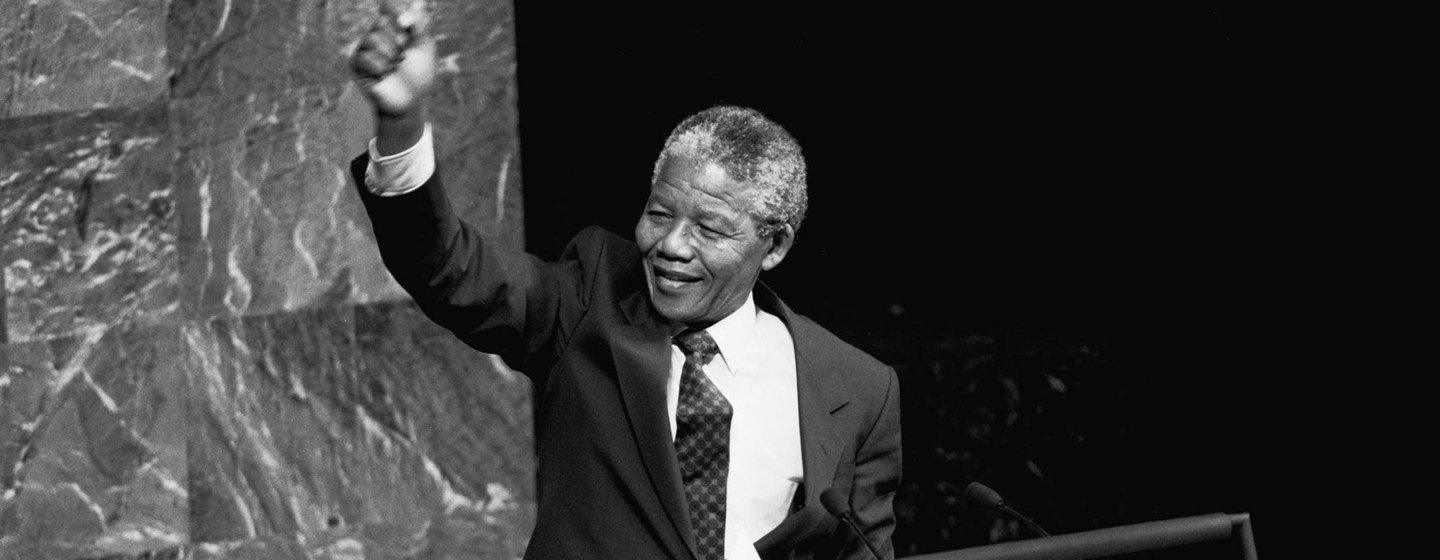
644, 236
729, 266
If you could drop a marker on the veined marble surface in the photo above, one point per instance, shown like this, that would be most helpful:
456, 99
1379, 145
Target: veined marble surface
87, 207
201, 355
270, 218
93, 446
81, 55
310, 425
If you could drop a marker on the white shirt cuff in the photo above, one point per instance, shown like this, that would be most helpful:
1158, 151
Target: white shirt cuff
400, 173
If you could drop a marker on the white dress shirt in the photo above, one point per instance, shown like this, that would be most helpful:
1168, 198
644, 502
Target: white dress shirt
755, 370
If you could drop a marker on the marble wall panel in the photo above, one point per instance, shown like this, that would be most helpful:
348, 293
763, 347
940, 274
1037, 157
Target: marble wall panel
92, 443
201, 354
271, 220
476, 116
238, 47
295, 451
87, 210
467, 410
81, 54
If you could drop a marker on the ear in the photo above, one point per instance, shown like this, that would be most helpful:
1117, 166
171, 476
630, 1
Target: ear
780, 243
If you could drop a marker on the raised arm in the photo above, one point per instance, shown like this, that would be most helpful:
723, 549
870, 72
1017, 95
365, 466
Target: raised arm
395, 66
497, 300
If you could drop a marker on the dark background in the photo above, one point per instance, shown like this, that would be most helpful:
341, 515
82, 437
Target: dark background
1090, 160
1082, 181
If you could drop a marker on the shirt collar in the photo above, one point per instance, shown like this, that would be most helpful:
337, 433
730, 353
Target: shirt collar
732, 332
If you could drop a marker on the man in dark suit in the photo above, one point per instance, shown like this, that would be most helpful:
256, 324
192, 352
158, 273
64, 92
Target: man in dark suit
685, 412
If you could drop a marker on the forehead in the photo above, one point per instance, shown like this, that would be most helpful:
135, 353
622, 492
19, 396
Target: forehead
704, 182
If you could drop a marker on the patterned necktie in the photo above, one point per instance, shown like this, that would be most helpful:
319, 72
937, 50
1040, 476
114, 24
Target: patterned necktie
702, 444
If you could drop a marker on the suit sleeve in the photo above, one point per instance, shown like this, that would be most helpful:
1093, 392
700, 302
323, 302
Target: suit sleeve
877, 478
495, 300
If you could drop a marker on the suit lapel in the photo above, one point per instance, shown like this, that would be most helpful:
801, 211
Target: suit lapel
642, 363
820, 442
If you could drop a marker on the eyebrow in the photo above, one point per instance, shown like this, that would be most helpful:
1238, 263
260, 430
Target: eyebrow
709, 215
703, 212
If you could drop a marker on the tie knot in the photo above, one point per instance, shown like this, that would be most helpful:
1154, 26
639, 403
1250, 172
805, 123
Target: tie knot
697, 343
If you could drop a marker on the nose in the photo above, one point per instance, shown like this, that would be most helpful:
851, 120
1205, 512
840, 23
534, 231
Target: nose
676, 244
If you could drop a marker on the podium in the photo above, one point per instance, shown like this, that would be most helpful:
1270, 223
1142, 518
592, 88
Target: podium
1232, 531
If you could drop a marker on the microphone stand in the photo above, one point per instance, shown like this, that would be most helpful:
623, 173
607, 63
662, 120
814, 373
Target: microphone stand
1005, 508
850, 520
839, 507
982, 495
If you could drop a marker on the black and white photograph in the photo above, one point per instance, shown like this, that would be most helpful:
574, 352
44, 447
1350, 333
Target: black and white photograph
495, 279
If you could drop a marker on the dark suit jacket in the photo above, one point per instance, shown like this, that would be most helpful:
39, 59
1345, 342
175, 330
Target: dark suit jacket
583, 330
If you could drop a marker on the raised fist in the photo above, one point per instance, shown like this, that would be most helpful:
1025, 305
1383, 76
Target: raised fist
395, 63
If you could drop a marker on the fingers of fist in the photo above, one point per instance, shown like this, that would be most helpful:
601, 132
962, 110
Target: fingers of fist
382, 48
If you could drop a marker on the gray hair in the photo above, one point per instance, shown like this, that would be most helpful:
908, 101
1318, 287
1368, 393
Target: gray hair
751, 149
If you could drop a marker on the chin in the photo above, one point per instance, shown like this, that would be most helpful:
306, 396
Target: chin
675, 311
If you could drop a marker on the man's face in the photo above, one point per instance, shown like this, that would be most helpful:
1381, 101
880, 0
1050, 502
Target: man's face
701, 246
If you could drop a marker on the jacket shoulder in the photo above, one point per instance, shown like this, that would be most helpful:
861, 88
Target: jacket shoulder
595, 240
604, 254
840, 350
856, 370
609, 266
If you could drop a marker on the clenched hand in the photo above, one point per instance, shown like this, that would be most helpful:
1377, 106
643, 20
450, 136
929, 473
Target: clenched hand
395, 62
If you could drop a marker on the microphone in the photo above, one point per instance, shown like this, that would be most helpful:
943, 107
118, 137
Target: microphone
981, 495
839, 506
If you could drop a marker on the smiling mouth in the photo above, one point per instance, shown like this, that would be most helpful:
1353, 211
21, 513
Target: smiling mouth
672, 279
